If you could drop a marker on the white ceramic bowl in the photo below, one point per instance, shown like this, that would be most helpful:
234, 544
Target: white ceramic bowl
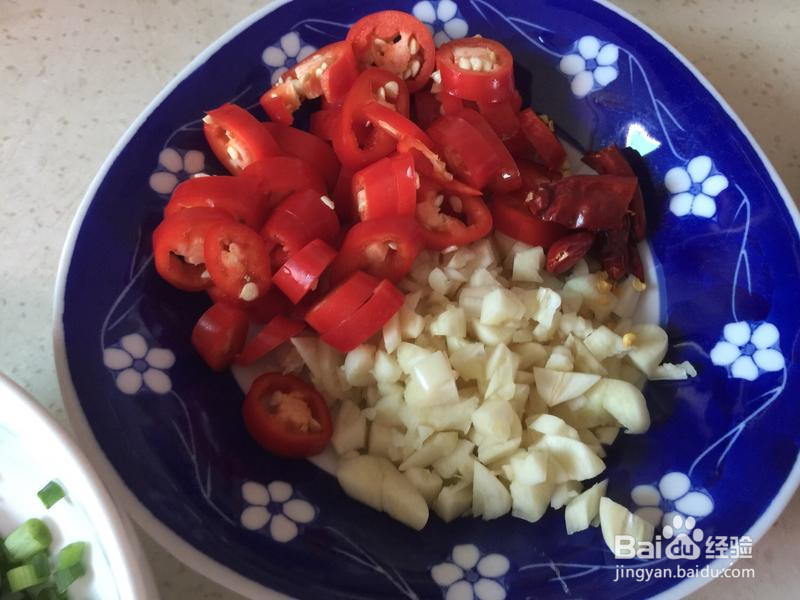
34, 450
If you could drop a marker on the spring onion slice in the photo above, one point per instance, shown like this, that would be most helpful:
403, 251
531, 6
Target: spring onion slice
47, 592
50, 494
63, 578
70, 555
28, 539
22, 578
41, 562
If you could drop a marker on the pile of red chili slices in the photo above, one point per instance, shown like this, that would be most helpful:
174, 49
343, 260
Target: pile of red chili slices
411, 148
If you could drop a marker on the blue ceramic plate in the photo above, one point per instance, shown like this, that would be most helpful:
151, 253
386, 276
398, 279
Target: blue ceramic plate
166, 432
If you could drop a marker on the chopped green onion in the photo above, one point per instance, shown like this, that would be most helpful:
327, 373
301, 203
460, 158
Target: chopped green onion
28, 539
50, 494
41, 562
70, 555
22, 578
47, 593
63, 578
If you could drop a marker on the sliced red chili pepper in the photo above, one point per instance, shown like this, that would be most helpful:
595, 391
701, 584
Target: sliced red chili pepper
413, 140
512, 217
219, 335
269, 306
302, 271
273, 334
520, 147
397, 42
357, 142
343, 196
341, 302
262, 310
178, 246
516, 100
431, 166
237, 258
398, 126
323, 123
502, 117
302, 217
542, 138
593, 202
610, 161
299, 311
331, 71
386, 188
367, 320
567, 251
450, 104
278, 177
477, 69
465, 150
451, 220
507, 177
337, 105
385, 248
286, 416
237, 138
238, 196
308, 148
407, 180
427, 108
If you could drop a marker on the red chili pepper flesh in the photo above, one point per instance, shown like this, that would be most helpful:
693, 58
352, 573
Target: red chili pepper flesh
566, 252
594, 202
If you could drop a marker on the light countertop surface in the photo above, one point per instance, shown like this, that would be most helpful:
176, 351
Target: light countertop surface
75, 73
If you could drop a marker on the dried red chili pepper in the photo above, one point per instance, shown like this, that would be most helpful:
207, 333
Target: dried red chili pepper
610, 161
635, 260
614, 250
567, 251
648, 191
534, 174
594, 202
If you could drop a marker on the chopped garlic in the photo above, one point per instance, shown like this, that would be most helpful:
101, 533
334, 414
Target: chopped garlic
492, 397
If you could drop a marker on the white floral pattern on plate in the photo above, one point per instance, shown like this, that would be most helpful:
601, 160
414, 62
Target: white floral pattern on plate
442, 19
468, 575
748, 349
174, 167
695, 188
671, 497
273, 505
593, 65
289, 51
136, 366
